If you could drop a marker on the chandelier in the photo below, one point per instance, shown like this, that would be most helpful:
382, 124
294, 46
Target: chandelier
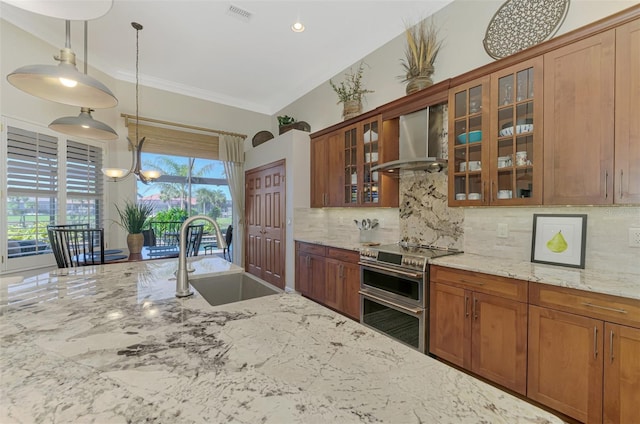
145, 176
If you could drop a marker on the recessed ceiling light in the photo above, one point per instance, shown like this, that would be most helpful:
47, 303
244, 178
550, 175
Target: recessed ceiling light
297, 27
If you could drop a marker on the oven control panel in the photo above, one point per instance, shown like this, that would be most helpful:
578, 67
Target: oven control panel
414, 262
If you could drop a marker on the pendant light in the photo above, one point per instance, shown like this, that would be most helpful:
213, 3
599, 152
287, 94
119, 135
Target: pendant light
145, 176
84, 125
63, 83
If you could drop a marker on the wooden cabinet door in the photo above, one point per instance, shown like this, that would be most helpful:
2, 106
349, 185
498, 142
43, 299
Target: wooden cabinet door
303, 277
334, 168
351, 287
621, 374
317, 277
579, 84
318, 171
450, 324
565, 363
627, 145
333, 286
499, 341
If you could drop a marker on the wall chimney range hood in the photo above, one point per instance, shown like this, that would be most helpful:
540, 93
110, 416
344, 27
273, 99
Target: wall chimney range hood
421, 148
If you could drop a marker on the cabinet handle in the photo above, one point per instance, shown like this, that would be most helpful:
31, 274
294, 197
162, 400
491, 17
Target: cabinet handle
491, 199
479, 283
341, 271
606, 308
475, 308
611, 346
308, 259
621, 183
466, 306
606, 182
595, 342
483, 192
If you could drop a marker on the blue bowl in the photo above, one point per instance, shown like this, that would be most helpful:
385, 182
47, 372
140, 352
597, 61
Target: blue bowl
474, 137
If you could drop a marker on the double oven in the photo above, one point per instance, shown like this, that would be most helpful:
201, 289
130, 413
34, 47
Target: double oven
394, 291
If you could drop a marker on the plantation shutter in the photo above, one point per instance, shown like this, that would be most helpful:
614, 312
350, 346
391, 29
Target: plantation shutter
32, 163
84, 175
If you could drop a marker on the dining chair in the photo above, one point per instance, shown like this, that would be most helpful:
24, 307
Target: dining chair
73, 247
194, 238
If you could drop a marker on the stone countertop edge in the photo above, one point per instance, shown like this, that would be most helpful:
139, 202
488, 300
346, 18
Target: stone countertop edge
112, 344
611, 283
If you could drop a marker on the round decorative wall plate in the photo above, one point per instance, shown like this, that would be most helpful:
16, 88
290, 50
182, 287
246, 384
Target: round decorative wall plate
520, 24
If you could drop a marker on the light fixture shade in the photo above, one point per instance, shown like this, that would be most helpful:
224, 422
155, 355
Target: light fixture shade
114, 172
44, 81
150, 174
84, 126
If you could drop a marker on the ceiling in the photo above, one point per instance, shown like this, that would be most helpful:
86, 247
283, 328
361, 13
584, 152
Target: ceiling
198, 48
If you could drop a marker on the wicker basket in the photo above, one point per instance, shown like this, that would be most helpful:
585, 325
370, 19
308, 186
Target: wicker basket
351, 108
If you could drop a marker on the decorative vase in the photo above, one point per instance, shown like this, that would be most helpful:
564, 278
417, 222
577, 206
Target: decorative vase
134, 243
419, 83
351, 108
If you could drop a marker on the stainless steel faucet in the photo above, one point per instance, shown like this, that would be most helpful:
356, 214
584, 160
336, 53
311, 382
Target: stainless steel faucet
182, 275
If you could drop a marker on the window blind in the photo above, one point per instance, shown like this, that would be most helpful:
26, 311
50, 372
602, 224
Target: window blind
175, 142
84, 183
32, 163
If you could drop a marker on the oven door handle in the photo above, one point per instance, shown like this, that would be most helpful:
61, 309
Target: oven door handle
414, 311
394, 271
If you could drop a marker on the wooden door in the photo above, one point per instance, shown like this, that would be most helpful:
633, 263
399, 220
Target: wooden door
318, 171
621, 374
579, 84
565, 363
335, 170
351, 287
627, 144
499, 341
450, 324
265, 218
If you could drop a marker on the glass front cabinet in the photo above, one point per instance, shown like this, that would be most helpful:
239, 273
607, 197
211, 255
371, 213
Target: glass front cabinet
495, 147
363, 148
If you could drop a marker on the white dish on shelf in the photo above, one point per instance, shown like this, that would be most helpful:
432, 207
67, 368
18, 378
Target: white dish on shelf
370, 136
523, 128
474, 196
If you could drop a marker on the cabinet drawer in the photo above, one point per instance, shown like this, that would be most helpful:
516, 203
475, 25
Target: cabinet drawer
314, 249
343, 254
508, 288
595, 305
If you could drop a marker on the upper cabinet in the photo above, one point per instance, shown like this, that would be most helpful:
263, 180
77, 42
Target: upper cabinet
592, 130
495, 146
579, 91
627, 130
341, 163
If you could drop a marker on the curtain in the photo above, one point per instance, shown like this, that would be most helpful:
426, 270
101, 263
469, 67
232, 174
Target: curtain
231, 153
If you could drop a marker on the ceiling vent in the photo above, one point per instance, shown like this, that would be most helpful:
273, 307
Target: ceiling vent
239, 13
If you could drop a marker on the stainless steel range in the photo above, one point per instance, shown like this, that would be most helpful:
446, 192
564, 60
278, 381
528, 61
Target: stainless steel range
394, 289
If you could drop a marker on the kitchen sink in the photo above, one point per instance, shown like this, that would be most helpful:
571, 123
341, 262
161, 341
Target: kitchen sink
229, 288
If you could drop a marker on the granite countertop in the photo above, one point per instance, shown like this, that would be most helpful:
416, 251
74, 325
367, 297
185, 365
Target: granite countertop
612, 283
112, 344
605, 282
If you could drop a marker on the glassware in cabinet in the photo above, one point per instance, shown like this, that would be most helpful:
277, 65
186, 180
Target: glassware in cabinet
350, 166
467, 142
370, 134
514, 145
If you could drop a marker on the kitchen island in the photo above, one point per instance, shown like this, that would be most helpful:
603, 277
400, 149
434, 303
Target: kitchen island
112, 344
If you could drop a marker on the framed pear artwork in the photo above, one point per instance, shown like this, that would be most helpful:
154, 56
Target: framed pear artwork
559, 239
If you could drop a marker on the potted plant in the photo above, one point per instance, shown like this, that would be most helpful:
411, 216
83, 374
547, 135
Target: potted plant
420, 53
133, 216
350, 92
287, 123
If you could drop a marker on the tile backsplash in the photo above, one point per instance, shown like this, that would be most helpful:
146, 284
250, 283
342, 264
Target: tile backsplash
424, 217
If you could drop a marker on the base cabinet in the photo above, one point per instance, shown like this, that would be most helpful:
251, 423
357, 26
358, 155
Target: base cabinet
481, 332
330, 276
580, 362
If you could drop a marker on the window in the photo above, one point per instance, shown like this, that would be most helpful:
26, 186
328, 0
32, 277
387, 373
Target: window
192, 185
42, 189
